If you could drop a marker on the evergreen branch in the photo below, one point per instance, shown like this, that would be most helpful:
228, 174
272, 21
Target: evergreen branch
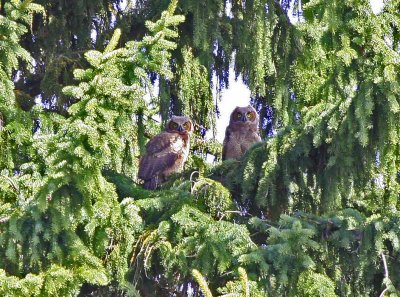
245, 282
113, 41
172, 7
11, 182
202, 283
24, 5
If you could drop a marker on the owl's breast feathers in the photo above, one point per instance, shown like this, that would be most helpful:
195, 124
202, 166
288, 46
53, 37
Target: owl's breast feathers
165, 153
238, 141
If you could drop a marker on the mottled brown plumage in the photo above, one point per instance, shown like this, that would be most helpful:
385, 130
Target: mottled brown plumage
166, 153
241, 134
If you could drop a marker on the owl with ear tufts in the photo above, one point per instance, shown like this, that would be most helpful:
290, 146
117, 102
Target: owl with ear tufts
166, 153
241, 133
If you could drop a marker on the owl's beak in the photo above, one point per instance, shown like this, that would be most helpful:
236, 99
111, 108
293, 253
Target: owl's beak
180, 128
244, 119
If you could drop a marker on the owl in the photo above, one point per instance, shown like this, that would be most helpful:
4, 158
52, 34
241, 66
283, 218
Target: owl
166, 153
241, 133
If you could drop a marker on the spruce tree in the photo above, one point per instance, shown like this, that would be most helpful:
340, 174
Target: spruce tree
311, 210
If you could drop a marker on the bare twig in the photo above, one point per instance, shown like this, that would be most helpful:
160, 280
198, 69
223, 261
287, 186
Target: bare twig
4, 220
192, 182
383, 293
386, 273
385, 266
229, 211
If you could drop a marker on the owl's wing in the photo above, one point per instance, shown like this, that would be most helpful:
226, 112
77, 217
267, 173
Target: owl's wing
255, 136
161, 142
226, 142
153, 165
160, 154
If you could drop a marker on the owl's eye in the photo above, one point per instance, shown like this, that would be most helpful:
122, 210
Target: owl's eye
173, 126
187, 126
250, 115
238, 115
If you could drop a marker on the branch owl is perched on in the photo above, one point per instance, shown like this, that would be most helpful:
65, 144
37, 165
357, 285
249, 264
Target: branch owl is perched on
166, 153
241, 133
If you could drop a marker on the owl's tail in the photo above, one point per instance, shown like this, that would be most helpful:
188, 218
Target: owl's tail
152, 184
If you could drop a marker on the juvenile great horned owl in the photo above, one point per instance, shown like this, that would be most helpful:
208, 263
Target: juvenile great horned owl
242, 132
166, 153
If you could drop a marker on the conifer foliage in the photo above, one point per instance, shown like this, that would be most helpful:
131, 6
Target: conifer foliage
310, 211
14, 18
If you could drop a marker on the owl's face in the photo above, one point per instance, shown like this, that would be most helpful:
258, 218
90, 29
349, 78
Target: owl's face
244, 116
180, 124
